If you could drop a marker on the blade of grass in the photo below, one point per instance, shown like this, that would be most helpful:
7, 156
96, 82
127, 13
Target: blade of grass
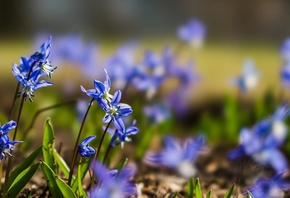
81, 191
24, 165
50, 179
21, 180
209, 194
47, 145
61, 163
64, 188
230, 192
190, 187
84, 169
198, 193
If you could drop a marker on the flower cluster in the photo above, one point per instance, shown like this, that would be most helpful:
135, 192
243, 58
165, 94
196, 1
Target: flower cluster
84, 149
30, 70
285, 70
268, 188
177, 156
262, 142
120, 134
193, 32
6, 145
110, 104
249, 78
113, 183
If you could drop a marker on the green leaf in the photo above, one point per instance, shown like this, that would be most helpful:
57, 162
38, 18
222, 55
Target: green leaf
47, 145
121, 165
81, 191
24, 165
230, 191
21, 180
198, 193
85, 167
50, 179
61, 163
175, 195
64, 188
190, 187
209, 194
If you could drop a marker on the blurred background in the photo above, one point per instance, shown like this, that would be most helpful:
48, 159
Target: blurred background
238, 20
235, 31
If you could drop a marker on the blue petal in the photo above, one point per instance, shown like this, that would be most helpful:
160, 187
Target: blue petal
87, 140
100, 87
107, 118
116, 99
8, 126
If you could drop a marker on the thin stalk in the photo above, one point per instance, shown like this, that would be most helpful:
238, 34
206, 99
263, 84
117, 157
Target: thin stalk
107, 153
14, 137
102, 139
76, 144
98, 151
14, 101
43, 110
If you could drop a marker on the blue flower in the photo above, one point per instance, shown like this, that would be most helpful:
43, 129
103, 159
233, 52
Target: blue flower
258, 148
84, 149
43, 64
285, 50
116, 110
249, 78
72, 49
112, 183
5, 144
193, 32
7, 127
120, 135
150, 75
158, 113
177, 156
269, 188
29, 84
121, 65
285, 75
101, 91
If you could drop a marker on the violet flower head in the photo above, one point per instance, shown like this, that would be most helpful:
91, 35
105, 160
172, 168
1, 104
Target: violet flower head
115, 110
259, 150
43, 64
112, 183
158, 113
29, 83
193, 32
6, 145
177, 156
101, 91
84, 149
269, 188
150, 75
285, 50
285, 75
121, 135
122, 66
7, 127
249, 77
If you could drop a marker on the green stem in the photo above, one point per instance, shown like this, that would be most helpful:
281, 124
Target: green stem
43, 110
14, 137
102, 139
76, 144
14, 101
107, 153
